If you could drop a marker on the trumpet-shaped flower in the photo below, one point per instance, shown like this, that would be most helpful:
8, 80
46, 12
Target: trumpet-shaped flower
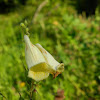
40, 62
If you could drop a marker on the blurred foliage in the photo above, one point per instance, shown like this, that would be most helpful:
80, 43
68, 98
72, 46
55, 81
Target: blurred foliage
73, 39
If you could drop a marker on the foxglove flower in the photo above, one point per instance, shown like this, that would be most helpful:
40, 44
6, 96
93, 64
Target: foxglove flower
40, 62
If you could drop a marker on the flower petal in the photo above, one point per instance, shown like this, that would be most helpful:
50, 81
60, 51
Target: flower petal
38, 76
42, 67
33, 55
50, 60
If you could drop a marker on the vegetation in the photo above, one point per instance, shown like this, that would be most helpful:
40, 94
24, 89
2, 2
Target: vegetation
73, 39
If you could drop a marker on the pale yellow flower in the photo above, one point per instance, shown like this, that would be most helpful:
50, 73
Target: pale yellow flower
56, 23
22, 84
40, 62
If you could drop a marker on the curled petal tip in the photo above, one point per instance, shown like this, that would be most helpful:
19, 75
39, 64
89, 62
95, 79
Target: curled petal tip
60, 67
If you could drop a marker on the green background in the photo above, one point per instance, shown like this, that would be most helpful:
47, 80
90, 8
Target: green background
71, 38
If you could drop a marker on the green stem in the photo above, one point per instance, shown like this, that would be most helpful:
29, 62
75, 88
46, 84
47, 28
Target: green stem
25, 28
33, 92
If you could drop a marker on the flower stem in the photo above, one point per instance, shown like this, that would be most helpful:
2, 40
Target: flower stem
33, 91
25, 27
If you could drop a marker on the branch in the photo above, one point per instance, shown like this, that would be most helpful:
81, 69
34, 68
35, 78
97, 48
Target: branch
50, 12
38, 10
3, 96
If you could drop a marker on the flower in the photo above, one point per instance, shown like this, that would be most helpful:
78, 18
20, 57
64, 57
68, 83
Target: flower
40, 62
56, 23
22, 84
